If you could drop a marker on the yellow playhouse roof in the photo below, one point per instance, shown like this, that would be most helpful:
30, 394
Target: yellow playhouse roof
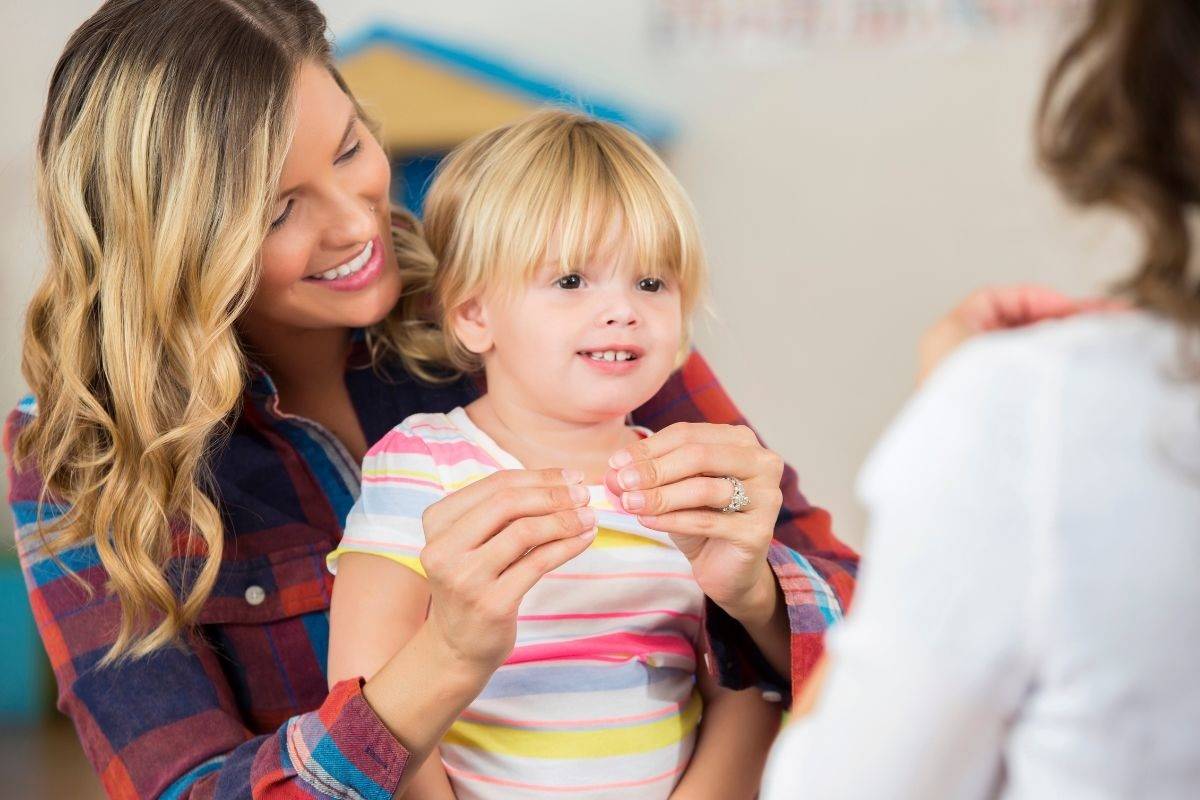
428, 96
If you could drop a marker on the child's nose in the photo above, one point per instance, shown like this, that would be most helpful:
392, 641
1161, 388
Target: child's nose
623, 317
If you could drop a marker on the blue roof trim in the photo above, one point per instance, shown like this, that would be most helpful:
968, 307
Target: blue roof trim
503, 75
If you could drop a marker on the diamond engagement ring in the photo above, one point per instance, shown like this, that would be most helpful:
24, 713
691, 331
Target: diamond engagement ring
739, 500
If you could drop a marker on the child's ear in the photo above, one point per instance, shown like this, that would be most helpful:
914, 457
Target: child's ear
469, 322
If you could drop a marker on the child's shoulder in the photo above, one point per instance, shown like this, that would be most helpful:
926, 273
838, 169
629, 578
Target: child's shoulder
421, 435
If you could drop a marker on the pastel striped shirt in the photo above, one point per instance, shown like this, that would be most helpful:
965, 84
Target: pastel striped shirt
598, 698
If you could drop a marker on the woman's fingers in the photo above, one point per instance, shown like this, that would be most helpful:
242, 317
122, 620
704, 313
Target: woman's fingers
695, 522
447, 512
692, 459
520, 577
674, 436
518, 539
688, 493
502, 505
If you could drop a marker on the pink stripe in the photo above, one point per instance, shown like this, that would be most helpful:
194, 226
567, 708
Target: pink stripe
610, 646
403, 479
611, 615
449, 454
429, 426
400, 443
462, 773
508, 722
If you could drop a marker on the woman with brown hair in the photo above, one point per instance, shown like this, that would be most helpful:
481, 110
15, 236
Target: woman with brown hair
230, 314
1027, 623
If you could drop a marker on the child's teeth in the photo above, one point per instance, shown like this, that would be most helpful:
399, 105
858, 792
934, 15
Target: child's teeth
610, 355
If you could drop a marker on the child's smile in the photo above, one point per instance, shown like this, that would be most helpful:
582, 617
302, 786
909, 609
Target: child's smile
613, 358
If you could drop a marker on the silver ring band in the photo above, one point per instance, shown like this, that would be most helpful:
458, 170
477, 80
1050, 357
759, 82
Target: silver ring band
739, 500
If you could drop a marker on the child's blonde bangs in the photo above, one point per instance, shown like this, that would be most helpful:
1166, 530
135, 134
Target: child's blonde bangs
563, 187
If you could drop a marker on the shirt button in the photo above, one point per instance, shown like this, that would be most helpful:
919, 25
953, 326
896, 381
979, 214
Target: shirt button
255, 595
772, 696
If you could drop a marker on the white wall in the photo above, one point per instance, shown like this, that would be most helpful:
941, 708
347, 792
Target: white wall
847, 194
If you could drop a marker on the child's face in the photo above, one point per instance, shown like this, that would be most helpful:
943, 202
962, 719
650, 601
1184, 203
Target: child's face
549, 346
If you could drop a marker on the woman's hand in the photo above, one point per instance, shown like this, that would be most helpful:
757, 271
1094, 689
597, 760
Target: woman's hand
998, 308
486, 546
673, 482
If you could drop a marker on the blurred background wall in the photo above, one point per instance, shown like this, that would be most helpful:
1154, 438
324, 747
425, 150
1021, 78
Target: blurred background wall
856, 170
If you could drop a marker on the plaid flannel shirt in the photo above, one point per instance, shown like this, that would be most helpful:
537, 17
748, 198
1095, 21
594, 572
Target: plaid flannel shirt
242, 708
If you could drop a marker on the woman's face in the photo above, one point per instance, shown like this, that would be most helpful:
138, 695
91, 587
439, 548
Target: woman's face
327, 262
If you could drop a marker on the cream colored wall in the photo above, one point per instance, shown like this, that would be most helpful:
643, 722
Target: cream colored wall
847, 196
34, 35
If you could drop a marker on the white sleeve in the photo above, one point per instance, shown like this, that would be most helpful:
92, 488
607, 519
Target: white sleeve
399, 481
930, 665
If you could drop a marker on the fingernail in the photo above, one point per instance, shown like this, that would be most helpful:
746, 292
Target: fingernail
628, 478
572, 476
580, 494
586, 517
633, 501
587, 536
620, 459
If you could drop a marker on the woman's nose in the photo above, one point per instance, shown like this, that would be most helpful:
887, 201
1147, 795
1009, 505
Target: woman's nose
352, 223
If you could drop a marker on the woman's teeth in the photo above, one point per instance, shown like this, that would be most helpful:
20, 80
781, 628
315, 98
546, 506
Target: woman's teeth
350, 267
610, 355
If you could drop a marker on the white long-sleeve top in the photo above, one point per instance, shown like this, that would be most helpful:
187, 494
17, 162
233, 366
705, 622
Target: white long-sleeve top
1027, 623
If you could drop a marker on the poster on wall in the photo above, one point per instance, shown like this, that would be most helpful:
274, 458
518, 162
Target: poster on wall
762, 27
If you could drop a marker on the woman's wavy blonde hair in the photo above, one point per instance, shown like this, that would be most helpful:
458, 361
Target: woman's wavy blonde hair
556, 179
164, 135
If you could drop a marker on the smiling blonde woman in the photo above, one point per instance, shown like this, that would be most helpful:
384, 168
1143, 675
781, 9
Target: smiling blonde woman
229, 316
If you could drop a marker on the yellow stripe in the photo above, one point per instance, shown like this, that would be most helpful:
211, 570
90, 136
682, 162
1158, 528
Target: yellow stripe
577, 744
608, 538
429, 477
393, 472
412, 562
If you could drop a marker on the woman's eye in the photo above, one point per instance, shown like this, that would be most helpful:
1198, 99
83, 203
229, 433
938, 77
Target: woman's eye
650, 284
287, 209
351, 153
571, 281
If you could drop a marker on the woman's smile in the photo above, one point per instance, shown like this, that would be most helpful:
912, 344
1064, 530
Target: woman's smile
352, 275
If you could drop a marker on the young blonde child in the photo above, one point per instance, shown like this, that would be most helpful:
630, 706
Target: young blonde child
568, 265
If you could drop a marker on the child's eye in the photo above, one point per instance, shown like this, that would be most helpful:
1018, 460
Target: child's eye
650, 284
571, 281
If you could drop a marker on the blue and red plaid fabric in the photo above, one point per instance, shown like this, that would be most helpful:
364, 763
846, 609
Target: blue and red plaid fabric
242, 708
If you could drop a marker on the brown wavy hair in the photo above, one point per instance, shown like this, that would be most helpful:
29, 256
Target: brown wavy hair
160, 151
1119, 126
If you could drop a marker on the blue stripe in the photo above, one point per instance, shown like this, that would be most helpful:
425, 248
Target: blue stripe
334, 762
176, 789
397, 500
826, 600
316, 624
76, 560
318, 459
575, 678
25, 512
503, 75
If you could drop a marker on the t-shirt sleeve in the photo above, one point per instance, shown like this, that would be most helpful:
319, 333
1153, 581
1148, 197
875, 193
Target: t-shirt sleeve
400, 480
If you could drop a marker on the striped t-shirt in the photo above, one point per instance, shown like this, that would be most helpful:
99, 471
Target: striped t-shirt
598, 698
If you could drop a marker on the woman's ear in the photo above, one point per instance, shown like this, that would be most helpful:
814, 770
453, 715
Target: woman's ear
469, 321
